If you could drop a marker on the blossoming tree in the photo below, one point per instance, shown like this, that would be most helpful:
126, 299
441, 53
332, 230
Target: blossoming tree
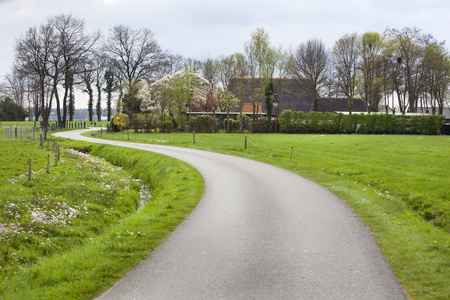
175, 93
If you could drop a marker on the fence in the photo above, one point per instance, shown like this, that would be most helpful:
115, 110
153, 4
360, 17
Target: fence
22, 133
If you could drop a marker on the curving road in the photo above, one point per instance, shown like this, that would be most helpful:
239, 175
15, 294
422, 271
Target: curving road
259, 232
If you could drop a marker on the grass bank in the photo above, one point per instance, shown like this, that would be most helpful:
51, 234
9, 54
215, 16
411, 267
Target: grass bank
71, 233
398, 185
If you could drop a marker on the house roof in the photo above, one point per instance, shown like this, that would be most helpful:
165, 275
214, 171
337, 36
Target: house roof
289, 95
339, 104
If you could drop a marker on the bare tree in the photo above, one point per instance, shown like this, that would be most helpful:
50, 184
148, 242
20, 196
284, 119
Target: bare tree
171, 65
16, 87
72, 48
88, 78
437, 76
33, 59
309, 65
410, 45
210, 70
136, 55
109, 88
99, 73
345, 59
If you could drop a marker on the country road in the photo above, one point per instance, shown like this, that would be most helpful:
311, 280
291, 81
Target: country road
259, 232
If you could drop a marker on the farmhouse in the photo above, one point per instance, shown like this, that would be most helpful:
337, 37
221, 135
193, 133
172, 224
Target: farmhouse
287, 96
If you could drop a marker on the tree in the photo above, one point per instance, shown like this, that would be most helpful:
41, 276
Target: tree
437, 72
99, 81
16, 87
176, 93
256, 50
227, 101
88, 79
309, 65
72, 48
11, 111
135, 55
269, 90
209, 70
71, 106
109, 79
240, 71
282, 73
371, 47
272, 58
160, 99
33, 59
188, 87
210, 104
346, 59
408, 76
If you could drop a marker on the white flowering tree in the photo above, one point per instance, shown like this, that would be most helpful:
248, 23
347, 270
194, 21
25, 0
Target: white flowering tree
189, 88
160, 99
176, 93
144, 95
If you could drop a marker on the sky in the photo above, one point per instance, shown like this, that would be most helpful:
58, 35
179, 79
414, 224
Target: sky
209, 28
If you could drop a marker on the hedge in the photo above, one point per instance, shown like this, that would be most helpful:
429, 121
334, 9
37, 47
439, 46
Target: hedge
317, 122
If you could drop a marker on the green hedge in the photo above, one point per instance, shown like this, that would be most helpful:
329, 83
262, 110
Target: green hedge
316, 122
234, 125
206, 124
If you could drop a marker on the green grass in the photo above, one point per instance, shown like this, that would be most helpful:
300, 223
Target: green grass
71, 233
398, 185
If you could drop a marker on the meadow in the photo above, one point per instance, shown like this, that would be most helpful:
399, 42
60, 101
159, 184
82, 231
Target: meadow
72, 232
397, 184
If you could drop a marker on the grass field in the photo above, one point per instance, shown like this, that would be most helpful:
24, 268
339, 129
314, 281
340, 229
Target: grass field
71, 233
398, 185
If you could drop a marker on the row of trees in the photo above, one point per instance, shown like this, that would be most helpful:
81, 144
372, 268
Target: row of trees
132, 71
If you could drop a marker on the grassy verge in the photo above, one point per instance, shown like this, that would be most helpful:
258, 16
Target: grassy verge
398, 185
71, 233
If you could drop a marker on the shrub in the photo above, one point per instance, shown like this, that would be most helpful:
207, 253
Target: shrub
234, 125
245, 121
203, 123
259, 125
286, 122
168, 126
119, 123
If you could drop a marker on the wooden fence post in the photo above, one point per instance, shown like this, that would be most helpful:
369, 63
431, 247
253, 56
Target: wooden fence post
246, 142
29, 169
48, 163
194, 136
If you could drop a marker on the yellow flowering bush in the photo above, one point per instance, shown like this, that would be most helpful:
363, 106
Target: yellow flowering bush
119, 122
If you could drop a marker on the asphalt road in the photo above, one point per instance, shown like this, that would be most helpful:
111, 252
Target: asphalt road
259, 232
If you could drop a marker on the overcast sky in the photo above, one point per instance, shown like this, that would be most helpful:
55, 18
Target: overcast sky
208, 28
